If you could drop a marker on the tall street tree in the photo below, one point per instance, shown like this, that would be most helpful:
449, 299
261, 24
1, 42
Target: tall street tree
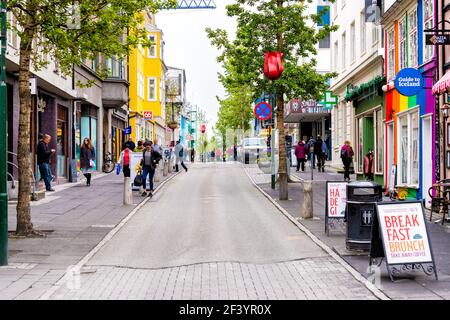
70, 32
275, 25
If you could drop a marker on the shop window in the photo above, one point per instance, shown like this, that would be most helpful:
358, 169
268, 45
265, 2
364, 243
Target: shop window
360, 146
408, 148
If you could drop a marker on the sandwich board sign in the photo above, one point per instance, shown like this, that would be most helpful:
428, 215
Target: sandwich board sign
404, 238
336, 203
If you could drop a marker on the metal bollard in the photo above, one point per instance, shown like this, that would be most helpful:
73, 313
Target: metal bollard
170, 166
307, 206
127, 192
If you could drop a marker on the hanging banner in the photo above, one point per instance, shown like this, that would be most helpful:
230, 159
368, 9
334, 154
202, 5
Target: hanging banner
336, 202
405, 237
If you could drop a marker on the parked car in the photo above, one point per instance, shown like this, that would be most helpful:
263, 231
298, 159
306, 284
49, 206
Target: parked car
251, 148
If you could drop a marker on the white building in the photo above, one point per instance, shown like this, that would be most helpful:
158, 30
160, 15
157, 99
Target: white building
358, 60
308, 118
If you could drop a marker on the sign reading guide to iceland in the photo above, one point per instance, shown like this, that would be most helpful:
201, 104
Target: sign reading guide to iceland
336, 199
404, 232
409, 82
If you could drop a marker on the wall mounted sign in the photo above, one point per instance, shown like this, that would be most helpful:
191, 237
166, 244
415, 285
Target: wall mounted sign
409, 82
438, 39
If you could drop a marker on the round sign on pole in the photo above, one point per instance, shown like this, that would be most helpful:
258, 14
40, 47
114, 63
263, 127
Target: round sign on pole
409, 82
263, 111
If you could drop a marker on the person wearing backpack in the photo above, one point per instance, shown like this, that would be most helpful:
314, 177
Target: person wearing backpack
179, 154
347, 158
124, 161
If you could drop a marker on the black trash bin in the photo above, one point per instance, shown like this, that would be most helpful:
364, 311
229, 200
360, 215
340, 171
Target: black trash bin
361, 199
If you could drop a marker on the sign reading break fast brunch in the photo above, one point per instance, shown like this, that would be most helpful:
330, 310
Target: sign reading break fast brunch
404, 232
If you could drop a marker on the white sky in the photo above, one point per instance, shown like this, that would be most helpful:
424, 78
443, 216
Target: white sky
187, 47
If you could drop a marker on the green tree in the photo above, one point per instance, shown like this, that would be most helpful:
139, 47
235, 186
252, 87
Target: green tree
274, 25
70, 32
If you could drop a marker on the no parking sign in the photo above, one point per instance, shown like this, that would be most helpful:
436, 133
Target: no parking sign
263, 111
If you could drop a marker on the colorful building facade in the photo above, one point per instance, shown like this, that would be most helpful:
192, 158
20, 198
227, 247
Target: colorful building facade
147, 85
410, 130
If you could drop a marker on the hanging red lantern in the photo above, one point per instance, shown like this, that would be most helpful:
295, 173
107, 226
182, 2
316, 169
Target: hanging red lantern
273, 65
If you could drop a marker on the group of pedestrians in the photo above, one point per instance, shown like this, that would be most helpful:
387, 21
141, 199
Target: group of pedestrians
318, 150
151, 156
312, 150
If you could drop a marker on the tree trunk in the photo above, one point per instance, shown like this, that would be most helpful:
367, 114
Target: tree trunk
24, 225
282, 165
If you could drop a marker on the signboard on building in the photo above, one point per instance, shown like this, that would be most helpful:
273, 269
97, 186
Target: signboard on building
404, 236
127, 130
336, 202
438, 39
148, 115
409, 82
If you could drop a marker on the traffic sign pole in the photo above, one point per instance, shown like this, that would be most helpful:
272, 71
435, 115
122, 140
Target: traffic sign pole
3, 147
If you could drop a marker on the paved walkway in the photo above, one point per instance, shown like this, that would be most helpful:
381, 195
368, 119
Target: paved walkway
412, 286
221, 239
76, 218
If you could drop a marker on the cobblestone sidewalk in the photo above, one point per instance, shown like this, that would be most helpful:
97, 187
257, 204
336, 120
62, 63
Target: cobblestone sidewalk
307, 279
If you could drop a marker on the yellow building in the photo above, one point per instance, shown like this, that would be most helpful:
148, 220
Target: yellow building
147, 86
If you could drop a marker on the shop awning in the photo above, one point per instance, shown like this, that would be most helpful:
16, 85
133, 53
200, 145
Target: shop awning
442, 85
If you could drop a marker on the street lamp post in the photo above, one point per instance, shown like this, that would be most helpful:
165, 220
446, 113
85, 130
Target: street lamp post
3, 147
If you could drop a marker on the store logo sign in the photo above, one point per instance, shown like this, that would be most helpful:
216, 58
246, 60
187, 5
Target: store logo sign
409, 82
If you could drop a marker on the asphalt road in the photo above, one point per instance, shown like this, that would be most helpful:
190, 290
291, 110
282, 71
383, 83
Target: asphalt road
212, 213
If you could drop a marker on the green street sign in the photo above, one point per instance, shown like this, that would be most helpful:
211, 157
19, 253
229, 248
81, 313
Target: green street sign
329, 100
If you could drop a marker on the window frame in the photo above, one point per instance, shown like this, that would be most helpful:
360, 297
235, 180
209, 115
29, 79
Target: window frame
426, 20
154, 86
153, 47
413, 52
408, 114
363, 37
390, 34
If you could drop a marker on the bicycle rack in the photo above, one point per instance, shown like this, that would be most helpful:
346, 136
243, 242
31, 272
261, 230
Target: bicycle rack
13, 184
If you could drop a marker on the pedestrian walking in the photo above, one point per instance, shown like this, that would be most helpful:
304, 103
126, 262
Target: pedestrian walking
179, 154
347, 158
130, 143
300, 154
43, 159
192, 155
319, 154
140, 147
124, 161
87, 156
150, 160
311, 154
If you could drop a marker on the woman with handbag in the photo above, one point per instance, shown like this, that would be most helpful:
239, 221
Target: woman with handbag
87, 156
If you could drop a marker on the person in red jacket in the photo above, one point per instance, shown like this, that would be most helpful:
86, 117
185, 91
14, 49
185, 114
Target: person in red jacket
300, 155
347, 158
